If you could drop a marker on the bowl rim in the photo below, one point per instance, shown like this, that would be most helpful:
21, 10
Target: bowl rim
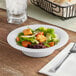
66, 38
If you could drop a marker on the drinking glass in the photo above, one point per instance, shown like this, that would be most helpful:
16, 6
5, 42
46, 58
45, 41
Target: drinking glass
16, 11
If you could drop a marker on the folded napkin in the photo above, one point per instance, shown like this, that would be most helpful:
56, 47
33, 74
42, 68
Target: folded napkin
47, 69
68, 68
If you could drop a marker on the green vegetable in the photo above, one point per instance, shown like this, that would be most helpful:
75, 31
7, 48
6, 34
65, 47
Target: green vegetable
54, 35
56, 40
51, 31
34, 41
32, 30
30, 39
42, 29
19, 43
51, 37
46, 44
48, 32
45, 30
48, 36
22, 39
20, 34
27, 39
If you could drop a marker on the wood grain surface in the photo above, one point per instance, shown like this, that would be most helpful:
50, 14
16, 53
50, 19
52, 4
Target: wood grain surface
15, 63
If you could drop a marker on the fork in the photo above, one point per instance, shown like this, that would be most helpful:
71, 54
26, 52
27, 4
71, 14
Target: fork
72, 50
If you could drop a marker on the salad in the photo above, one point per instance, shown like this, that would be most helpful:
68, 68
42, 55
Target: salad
39, 38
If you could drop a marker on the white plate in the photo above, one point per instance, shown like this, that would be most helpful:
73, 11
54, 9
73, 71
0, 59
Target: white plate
63, 36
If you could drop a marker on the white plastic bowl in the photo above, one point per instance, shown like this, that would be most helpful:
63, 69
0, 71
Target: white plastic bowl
63, 36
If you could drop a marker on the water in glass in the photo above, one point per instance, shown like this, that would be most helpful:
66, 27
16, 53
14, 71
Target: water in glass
16, 11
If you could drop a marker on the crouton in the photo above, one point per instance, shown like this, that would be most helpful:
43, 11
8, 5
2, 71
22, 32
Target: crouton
41, 38
40, 33
27, 32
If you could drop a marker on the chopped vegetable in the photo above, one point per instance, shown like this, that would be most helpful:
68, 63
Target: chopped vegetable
40, 38
34, 41
42, 29
19, 43
51, 44
49, 36
30, 39
56, 40
51, 31
20, 34
32, 30
54, 35
37, 46
17, 39
46, 44
40, 33
25, 43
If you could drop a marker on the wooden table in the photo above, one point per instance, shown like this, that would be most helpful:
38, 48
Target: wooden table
15, 63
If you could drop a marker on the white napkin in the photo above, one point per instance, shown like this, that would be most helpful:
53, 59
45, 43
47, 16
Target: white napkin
47, 69
68, 68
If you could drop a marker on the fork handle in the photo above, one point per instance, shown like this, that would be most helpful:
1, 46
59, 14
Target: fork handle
59, 63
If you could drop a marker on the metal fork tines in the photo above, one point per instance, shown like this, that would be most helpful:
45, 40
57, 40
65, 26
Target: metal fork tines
73, 48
